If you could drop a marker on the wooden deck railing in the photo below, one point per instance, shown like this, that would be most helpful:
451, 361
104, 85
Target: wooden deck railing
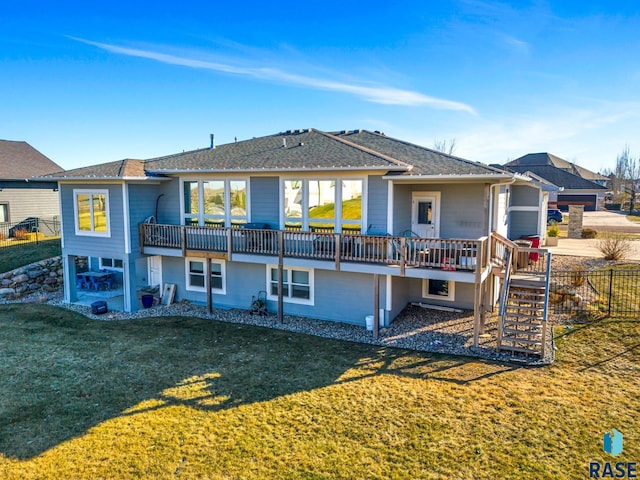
404, 252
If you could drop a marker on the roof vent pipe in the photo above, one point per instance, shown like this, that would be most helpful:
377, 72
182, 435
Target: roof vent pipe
213, 140
284, 143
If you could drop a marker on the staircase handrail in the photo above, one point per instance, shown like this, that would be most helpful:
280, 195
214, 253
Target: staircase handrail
504, 240
505, 283
546, 284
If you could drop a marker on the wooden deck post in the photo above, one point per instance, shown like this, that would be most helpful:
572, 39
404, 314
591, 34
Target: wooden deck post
403, 255
280, 275
376, 304
183, 241
207, 284
338, 252
229, 243
477, 314
141, 237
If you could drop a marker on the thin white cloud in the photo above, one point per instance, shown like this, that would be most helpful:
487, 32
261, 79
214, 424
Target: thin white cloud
373, 93
515, 44
568, 133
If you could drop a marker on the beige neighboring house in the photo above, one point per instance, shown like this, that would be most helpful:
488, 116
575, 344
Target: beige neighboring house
22, 197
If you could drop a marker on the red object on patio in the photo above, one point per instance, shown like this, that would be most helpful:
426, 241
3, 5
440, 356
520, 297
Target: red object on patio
535, 243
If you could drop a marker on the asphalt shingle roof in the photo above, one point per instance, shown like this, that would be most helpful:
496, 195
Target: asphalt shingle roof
292, 150
19, 161
558, 177
127, 168
532, 159
296, 150
426, 162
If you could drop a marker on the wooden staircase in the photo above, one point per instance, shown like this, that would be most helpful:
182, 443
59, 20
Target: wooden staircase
524, 296
524, 326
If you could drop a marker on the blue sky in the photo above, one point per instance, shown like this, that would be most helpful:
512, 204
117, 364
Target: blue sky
87, 84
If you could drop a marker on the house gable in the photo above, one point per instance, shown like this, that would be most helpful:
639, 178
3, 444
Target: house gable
20, 161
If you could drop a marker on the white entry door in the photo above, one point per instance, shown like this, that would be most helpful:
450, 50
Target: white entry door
425, 214
155, 271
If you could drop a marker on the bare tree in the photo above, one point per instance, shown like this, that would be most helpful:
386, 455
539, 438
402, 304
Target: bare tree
627, 173
445, 146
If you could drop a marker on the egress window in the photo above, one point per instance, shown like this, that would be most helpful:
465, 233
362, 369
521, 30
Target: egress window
91, 209
438, 289
195, 275
297, 284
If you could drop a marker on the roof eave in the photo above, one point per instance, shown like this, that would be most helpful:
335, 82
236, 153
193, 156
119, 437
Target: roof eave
104, 179
450, 178
282, 170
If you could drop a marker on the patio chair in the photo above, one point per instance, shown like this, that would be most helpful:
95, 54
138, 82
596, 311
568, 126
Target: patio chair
109, 281
80, 283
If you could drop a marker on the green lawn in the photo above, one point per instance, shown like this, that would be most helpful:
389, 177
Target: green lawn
21, 254
351, 209
624, 284
191, 398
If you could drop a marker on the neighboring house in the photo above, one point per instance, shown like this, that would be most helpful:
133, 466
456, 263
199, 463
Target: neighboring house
21, 196
579, 185
363, 224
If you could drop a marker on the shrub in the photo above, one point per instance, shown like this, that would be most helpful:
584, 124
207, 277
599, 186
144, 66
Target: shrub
553, 231
589, 233
3, 236
614, 246
578, 275
21, 234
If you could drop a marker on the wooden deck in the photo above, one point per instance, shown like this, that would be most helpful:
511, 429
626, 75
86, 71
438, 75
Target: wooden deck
469, 255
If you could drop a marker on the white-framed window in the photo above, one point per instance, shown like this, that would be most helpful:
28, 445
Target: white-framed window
4, 212
91, 212
111, 263
297, 284
324, 204
214, 201
195, 271
438, 289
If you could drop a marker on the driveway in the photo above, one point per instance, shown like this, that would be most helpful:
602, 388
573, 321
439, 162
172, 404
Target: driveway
587, 247
607, 221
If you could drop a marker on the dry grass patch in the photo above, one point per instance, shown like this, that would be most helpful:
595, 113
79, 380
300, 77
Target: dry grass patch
190, 398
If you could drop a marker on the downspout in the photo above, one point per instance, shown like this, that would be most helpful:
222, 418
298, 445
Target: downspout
157, 201
491, 211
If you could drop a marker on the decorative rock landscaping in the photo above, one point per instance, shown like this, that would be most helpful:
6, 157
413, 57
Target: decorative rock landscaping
44, 276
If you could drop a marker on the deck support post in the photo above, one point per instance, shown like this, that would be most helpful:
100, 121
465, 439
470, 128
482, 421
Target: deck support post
183, 241
280, 275
141, 235
376, 304
477, 307
403, 255
338, 252
207, 283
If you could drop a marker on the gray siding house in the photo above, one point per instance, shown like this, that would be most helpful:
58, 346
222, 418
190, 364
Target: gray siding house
578, 186
335, 226
22, 196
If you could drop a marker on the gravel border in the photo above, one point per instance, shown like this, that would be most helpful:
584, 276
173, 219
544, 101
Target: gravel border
415, 328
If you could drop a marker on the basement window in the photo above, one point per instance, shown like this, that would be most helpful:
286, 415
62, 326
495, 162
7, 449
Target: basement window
438, 289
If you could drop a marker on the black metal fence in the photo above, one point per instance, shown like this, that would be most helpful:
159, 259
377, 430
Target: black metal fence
612, 291
29, 230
